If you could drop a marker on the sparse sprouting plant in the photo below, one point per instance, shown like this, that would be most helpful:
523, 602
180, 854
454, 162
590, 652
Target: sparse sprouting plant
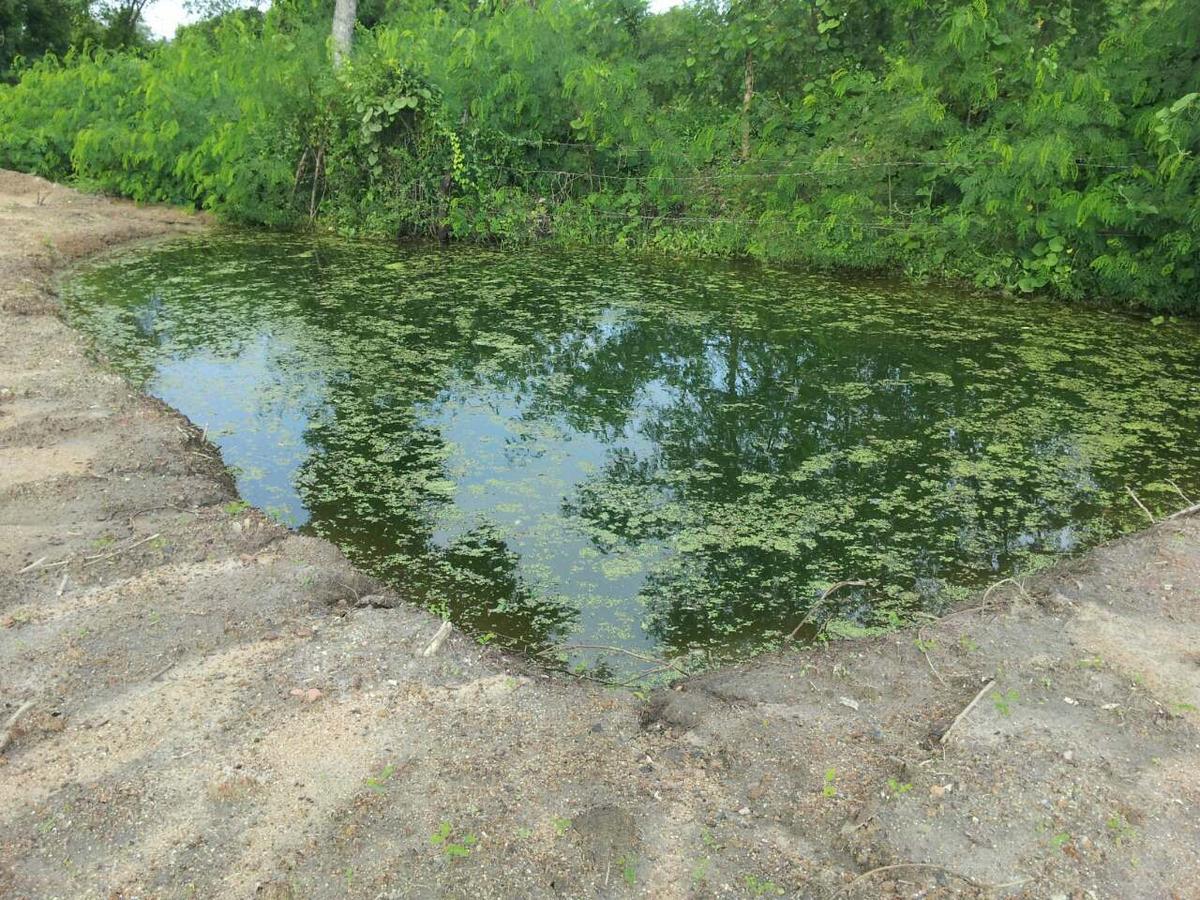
898, 787
378, 782
829, 788
1120, 829
762, 887
1003, 701
628, 865
452, 847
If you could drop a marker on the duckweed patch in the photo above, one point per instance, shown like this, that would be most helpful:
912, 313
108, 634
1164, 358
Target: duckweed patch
674, 459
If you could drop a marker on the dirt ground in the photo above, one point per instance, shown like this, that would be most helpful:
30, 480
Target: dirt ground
195, 702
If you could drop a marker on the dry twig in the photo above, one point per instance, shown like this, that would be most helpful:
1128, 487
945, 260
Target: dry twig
664, 663
923, 646
970, 706
820, 601
438, 639
33, 565
11, 725
1190, 510
1141, 506
88, 560
981, 885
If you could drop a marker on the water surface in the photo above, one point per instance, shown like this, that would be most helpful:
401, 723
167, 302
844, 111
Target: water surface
667, 457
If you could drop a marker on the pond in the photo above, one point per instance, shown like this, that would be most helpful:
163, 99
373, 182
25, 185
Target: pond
666, 457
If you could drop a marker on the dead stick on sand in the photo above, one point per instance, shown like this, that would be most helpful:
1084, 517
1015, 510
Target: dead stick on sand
33, 565
438, 639
11, 725
970, 706
981, 885
923, 645
88, 560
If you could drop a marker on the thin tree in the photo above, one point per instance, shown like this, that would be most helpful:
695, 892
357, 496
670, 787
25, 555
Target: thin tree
344, 13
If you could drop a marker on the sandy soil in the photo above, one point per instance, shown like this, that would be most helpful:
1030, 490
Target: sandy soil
207, 705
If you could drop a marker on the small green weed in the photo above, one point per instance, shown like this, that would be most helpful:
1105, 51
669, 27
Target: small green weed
760, 887
376, 782
830, 787
628, 866
1003, 701
1120, 830
898, 787
452, 849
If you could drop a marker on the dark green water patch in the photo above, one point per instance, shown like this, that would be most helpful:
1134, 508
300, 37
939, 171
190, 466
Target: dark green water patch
670, 458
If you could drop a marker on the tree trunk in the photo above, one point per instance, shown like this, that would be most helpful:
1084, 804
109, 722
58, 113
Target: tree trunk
746, 98
344, 13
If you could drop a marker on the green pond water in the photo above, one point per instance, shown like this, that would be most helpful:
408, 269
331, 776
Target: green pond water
673, 458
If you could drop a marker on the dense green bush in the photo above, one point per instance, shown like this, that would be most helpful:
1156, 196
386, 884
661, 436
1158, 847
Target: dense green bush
1026, 146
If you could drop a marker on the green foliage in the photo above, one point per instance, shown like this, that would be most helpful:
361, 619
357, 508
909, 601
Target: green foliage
1003, 701
29, 28
829, 785
452, 847
1029, 146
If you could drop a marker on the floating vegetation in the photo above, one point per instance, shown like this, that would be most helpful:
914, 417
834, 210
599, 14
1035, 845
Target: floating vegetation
673, 459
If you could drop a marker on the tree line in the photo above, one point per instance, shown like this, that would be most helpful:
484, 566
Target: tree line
1029, 146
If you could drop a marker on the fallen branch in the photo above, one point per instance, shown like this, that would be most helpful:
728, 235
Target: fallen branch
980, 885
88, 560
1186, 499
1020, 587
1190, 510
664, 663
163, 671
1141, 506
438, 639
11, 724
33, 565
820, 600
970, 706
923, 646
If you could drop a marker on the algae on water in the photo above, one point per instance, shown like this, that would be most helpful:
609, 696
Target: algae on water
663, 456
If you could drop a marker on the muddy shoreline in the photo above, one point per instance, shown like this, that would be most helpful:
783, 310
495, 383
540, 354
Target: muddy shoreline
208, 707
